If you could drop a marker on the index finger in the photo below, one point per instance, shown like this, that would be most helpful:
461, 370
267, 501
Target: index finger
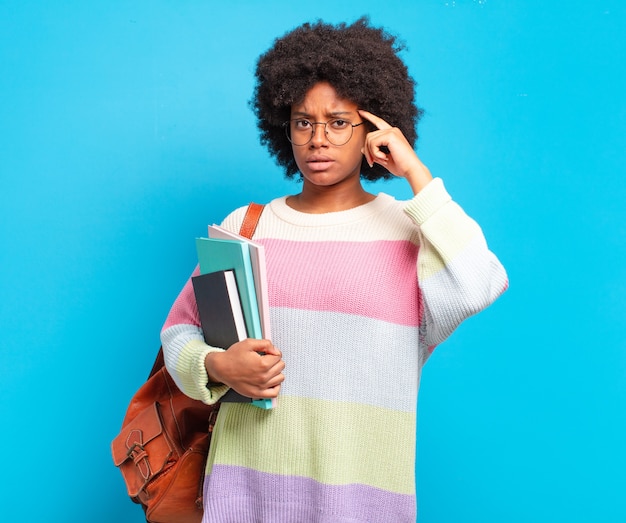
378, 122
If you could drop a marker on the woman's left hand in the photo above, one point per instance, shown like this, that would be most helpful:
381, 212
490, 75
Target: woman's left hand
400, 160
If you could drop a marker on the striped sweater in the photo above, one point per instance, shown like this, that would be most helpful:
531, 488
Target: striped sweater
358, 301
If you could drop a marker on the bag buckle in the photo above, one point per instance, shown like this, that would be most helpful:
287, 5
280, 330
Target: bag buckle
138, 453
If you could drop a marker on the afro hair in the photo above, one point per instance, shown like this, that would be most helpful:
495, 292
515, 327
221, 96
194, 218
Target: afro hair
360, 61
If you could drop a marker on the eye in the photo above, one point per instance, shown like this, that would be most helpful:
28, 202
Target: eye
301, 125
339, 124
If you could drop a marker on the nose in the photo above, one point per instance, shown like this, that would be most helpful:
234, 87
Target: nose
319, 135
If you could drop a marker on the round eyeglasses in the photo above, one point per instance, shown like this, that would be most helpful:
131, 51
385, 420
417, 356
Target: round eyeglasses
338, 131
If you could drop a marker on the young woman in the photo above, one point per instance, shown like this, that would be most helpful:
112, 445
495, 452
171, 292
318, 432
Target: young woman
362, 288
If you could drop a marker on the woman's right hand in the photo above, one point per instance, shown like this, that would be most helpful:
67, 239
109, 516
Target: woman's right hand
389, 147
253, 368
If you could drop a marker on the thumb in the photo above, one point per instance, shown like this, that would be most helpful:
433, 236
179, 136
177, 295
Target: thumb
269, 349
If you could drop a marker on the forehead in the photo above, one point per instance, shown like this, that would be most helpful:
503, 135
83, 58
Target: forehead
323, 98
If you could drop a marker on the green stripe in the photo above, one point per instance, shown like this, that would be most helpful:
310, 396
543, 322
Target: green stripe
323, 442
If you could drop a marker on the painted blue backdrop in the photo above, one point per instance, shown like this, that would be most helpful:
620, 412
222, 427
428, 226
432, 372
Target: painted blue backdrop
125, 130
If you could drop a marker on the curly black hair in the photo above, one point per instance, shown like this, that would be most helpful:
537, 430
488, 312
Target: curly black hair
360, 61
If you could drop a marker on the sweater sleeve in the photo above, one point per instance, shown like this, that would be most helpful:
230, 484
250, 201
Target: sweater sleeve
184, 348
458, 275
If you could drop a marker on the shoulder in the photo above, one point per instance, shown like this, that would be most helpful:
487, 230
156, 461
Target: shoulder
233, 221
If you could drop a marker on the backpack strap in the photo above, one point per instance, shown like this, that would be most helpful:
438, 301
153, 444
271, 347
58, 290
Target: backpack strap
251, 219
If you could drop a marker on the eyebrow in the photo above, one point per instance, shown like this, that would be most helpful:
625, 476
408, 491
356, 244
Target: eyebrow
333, 114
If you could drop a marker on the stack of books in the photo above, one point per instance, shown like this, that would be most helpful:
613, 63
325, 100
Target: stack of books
231, 292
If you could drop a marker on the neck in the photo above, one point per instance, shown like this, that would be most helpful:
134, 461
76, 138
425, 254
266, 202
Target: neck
320, 200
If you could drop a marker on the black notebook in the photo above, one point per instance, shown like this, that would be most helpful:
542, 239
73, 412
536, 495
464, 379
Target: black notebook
220, 309
221, 314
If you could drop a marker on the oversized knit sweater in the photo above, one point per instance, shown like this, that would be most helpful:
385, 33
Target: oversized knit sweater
358, 300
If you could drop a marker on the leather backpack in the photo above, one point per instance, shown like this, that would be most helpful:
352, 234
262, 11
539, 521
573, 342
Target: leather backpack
163, 445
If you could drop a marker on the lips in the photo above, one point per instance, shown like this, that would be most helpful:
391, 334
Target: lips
319, 162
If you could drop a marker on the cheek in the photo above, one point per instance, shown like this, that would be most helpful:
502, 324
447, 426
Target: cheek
359, 142
357, 150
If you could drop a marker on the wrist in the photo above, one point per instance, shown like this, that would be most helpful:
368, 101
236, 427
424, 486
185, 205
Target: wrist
419, 177
211, 364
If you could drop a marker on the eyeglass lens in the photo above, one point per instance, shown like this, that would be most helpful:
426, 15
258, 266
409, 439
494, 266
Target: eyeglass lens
301, 132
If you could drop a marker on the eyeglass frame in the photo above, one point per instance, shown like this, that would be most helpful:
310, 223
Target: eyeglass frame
287, 125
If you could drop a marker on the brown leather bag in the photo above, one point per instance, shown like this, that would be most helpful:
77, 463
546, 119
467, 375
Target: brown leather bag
162, 447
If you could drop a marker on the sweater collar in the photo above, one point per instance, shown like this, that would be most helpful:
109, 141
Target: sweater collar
280, 208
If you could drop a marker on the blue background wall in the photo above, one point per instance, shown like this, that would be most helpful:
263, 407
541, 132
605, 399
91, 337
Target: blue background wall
125, 130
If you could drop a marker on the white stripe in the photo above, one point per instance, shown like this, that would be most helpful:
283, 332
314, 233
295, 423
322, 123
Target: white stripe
339, 357
464, 287
391, 223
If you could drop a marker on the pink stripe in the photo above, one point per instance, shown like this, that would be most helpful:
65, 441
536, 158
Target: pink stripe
372, 279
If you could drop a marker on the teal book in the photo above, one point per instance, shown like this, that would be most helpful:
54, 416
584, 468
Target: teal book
224, 255
257, 255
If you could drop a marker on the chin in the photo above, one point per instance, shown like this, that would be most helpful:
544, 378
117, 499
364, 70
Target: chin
323, 180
